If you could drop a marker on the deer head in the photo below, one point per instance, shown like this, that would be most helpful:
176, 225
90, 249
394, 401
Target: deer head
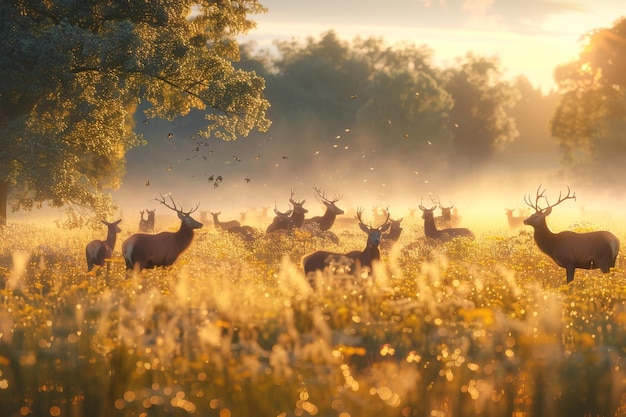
184, 216
330, 204
373, 233
541, 213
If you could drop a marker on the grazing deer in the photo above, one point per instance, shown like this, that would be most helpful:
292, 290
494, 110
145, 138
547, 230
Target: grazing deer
571, 250
99, 250
148, 251
147, 225
443, 235
326, 221
515, 222
318, 261
223, 225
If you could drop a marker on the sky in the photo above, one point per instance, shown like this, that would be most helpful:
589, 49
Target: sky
531, 37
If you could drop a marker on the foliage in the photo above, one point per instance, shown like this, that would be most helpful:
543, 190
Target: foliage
73, 74
469, 328
482, 103
391, 98
591, 115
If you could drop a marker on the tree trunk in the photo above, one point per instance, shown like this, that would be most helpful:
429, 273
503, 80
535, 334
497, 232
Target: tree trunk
4, 191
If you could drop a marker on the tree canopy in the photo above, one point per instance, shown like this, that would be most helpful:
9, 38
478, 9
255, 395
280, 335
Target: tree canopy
590, 119
73, 73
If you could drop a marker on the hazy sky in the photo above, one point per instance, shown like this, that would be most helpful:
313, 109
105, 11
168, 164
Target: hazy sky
531, 37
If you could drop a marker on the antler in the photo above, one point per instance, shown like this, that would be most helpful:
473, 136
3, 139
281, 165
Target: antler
540, 195
319, 193
176, 209
359, 214
424, 208
299, 203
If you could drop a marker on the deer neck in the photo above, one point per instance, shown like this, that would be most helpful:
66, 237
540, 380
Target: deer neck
430, 229
184, 236
544, 237
370, 254
111, 237
327, 220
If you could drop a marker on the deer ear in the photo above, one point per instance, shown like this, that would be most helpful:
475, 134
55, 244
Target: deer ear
181, 215
364, 228
385, 227
548, 211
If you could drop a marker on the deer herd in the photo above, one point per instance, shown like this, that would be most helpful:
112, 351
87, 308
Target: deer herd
568, 249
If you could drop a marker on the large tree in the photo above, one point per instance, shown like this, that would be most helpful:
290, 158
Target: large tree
590, 119
73, 72
480, 119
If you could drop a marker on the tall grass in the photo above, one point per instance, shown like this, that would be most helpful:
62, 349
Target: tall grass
482, 328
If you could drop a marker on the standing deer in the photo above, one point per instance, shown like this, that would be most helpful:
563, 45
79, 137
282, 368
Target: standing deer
443, 235
326, 221
318, 261
515, 222
223, 225
571, 250
147, 225
99, 250
148, 251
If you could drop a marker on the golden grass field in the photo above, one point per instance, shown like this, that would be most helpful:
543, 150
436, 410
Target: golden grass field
471, 328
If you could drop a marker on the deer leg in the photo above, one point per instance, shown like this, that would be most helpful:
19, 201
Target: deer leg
570, 274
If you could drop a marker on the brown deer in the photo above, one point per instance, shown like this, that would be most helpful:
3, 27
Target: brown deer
280, 221
147, 225
223, 225
443, 235
395, 230
515, 222
99, 250
318, 261
149, 251
571, 250
293, 218
447, 219
326, 221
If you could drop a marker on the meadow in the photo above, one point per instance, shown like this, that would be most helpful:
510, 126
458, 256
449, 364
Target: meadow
470, 328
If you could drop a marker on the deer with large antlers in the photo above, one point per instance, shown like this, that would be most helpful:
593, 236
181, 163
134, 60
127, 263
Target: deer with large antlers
99, 250
443, 235
325, 221
571, 250
318, 261
149, 251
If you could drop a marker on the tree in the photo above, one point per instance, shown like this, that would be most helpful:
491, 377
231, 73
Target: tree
73, 73
480, 118
591, 115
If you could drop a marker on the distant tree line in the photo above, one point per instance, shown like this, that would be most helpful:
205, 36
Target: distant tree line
396, 101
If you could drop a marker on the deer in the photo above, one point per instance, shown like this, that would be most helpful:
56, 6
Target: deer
326, 221
149, 251
99, 250
395, 230
224, 225
443, 235
447, 219
318, 261
291, 219
568, 249
280, 221
515, 222
147, 225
